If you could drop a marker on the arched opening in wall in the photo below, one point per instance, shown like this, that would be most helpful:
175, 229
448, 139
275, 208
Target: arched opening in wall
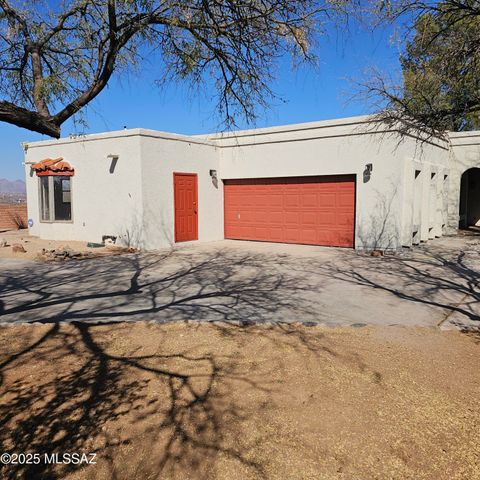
470, 200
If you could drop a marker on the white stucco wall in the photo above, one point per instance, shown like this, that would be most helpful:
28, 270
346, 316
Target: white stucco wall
162, 155
136, 200
103, 203
425, 187
384, 208
465, 154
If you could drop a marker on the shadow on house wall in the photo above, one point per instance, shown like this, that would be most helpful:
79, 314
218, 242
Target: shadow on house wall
147, 230
379, 230
132, 232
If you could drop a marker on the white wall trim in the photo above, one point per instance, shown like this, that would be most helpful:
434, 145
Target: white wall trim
345, 127
136, 132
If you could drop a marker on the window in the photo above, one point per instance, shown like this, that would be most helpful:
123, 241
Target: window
45, 198
55, 199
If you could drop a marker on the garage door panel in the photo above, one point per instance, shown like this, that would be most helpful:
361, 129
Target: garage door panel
308, 218
345, 199
345, 219
261, 232
230, 216
292, 218
276, 234
276, 200
292, 200
256, 218
238, 200
324, 238
308, 236
311, 210
327, 199
344, 239
246, 200
259, 200
326, 219
309, 200
292, 235
275, 218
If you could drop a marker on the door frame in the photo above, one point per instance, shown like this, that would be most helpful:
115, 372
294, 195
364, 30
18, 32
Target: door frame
184, 174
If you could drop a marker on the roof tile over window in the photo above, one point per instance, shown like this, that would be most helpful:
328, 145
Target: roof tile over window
53, 166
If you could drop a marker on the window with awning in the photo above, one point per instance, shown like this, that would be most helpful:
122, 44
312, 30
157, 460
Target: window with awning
55, 186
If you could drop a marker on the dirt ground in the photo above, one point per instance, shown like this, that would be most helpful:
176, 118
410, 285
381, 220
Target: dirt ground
34, 245
217, 401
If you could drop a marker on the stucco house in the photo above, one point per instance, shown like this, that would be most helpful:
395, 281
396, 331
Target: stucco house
334, 183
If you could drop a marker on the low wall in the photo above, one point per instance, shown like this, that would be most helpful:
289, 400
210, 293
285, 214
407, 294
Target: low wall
11, 215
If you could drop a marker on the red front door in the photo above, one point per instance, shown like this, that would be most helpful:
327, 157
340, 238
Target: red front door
186, 206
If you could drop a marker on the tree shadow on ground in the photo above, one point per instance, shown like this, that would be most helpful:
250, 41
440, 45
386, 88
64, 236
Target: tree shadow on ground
183, 410
212, 286
74, 408
434, 276
233, 285
168, 411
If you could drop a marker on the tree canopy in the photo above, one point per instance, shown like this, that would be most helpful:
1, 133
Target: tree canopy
440, 64
57, 56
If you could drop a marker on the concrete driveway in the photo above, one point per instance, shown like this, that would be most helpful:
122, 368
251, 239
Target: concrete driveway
434, 285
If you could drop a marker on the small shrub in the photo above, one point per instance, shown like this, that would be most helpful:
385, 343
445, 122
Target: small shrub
18, 220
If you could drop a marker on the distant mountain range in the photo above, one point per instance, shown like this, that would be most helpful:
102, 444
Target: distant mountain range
12, 186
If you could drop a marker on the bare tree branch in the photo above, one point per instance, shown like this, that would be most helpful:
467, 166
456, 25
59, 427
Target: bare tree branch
55, 60
440, 60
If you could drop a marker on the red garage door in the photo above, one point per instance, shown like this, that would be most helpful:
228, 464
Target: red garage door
309, 210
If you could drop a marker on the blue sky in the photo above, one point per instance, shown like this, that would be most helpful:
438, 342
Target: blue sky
308, 94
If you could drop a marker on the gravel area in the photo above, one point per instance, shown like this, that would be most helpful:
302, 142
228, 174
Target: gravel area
218, 401
33, 246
